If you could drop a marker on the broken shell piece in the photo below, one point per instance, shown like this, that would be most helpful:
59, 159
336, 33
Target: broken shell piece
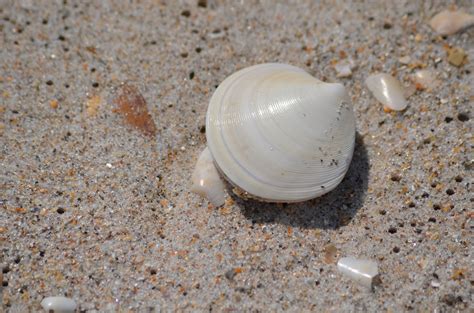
361, 270
450, 22
330, 254
387, 90
58, 304
344, 67
206, 180
426, 79
456, 56
132, 106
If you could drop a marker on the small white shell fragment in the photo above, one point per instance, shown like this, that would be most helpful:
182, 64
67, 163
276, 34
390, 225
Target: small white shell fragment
344, 68
387, 90
426, 79
58, 304
361, 270
450, 22
216, 34
206, 180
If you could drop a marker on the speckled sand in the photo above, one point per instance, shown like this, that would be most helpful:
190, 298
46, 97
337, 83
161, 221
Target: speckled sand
95, 210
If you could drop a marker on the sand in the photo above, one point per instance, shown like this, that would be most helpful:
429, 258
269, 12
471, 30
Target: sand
99, 211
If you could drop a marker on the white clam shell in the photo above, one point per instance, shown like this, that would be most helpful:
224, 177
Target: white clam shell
450, 22
280, 134
387, 90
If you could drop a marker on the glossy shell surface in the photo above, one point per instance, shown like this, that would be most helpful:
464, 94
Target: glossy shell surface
279, 134
387, 90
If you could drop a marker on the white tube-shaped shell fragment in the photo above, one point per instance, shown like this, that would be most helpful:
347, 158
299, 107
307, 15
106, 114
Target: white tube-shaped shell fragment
280, 134
206, 181
58, 304
450, 22
387, 90
361, 270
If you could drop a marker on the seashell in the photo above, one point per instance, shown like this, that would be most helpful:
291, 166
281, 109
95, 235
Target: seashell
450, 22
456, 56
361, 270
132, 106
206, 180
387, 90
278, 134
58, 304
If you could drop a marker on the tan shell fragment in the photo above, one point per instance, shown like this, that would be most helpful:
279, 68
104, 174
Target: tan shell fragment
132, 106
450, 22
456, 56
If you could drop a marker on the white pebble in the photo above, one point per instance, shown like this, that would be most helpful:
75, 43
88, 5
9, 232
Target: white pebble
435, 284
361, 270
58, 304
344, 68
450, 22
216, 34
109, 165
387, 90
206, 180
